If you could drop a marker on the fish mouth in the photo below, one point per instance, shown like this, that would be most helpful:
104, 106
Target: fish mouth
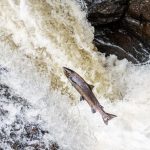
64, 68
66, 71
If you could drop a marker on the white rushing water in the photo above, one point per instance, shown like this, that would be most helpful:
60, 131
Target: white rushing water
38, 38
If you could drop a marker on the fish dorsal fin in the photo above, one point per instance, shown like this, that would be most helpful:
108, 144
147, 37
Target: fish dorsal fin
91, 86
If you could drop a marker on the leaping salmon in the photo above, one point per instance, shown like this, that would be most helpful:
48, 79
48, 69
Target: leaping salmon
86, 93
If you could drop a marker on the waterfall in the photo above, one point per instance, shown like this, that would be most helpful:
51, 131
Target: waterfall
38, 38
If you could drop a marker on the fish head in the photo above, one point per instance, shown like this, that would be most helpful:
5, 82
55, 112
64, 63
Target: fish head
68, 72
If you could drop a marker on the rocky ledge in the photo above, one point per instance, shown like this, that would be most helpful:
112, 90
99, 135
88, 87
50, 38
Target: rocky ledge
122, 27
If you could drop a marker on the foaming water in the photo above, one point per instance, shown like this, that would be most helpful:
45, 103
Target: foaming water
37, 39
53, 34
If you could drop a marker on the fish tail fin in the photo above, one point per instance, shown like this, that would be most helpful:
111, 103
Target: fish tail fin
106, 117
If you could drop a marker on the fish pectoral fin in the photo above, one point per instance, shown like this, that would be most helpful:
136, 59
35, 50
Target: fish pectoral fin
93, 110
91, 86
81, 98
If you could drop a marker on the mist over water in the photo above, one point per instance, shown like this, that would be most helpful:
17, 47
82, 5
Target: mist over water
38, 38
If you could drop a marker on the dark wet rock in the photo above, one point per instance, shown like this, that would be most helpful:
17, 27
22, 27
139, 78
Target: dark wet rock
6, 92
139, 29
33, 131
137, 19
89, 2
139, 9
3, 112
22, 134
27, 135
106, 11
121, 43
54, 146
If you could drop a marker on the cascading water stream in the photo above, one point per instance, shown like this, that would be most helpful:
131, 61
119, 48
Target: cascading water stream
38, 38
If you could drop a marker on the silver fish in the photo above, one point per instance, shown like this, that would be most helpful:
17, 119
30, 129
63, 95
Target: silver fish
86, 93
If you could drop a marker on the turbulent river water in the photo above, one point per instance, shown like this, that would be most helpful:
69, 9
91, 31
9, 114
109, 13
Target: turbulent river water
38, 38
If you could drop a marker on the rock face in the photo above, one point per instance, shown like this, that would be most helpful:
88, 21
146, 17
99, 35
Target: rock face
107, 11
121, 43
137, 19
122, 27
140, 9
